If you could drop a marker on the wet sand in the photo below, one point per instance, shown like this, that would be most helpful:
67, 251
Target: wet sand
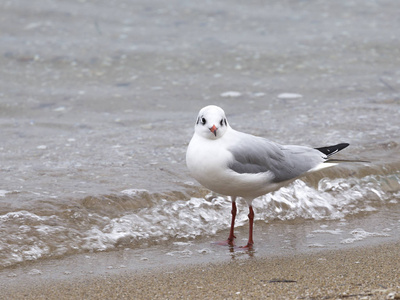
357, 273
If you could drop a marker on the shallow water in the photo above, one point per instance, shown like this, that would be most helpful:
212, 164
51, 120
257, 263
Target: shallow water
98, 103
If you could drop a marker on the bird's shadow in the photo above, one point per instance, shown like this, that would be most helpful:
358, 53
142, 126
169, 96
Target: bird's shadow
236, 251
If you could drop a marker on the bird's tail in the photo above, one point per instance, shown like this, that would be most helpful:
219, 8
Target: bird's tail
330, 150
337, 161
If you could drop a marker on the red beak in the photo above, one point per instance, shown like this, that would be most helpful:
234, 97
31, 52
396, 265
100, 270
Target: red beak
213, 129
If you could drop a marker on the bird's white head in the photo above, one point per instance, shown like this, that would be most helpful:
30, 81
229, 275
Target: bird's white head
211, 122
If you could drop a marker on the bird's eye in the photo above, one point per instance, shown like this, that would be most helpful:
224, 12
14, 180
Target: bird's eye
203, 121
221, 122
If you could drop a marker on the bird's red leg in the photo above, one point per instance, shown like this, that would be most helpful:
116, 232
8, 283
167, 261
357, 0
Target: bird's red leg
251, 220
231, 233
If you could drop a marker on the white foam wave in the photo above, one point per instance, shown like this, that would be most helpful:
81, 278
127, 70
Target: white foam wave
360, 234
179, 219
3, 193
26, 236
333, 199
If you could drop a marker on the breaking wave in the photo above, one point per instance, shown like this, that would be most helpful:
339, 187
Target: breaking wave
133, 218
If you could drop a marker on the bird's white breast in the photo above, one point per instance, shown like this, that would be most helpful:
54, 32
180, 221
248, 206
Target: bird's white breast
208, 162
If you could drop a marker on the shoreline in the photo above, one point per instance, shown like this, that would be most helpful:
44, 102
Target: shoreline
365, 272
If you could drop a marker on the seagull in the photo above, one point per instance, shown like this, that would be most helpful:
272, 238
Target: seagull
236, 164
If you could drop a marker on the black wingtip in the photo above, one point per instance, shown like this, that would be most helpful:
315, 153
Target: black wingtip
330, 150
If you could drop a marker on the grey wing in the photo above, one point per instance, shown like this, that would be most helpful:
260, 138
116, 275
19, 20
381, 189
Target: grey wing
299, 160
258, 155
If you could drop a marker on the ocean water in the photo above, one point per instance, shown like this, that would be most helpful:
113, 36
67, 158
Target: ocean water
98, 102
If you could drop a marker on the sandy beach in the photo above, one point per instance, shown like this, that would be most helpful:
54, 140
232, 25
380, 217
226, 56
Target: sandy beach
357, 273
